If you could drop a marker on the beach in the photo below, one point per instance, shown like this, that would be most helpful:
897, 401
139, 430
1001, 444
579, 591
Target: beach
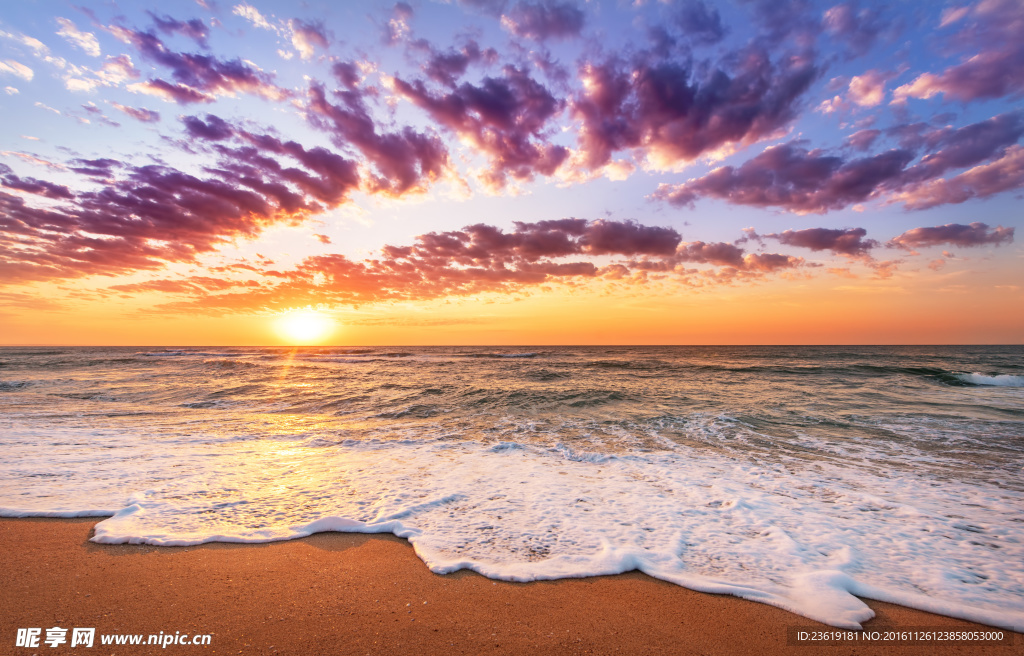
338, 593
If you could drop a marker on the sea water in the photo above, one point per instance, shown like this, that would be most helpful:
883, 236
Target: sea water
803, 477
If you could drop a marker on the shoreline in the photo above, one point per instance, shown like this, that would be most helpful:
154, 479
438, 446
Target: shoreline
349, 593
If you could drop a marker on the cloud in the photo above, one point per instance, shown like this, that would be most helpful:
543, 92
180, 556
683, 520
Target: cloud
213, 129
986, 75
405, 161
251, 14
139, 114
959, 148
397, 27
329, 178
785, 22
307, 35
97, 168
547, 19
992, 33
975, 234
503, 118
18, 69
868, 90
863, 139
117, 70
447, 67
32, 185
733, 260
858, 27
674, 114
476, 259
38, 47
799, 180
1001, 175
197, 78
144, 217
718, 253
793, 178
190, 285
85, 41
701, 24
194, 29
848, 241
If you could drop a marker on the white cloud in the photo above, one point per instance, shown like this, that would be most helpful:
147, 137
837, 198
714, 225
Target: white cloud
11, 91
86, 41
950, 16
47, 108
868, 90
16, 68
36, 45
80, 84
253, 15
118, 69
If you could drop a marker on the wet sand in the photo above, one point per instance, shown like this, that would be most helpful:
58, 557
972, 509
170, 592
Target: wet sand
335, 593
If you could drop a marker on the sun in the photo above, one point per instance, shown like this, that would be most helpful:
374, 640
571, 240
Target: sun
304, 327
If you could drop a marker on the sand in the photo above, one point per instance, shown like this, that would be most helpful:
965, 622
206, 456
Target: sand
336, 593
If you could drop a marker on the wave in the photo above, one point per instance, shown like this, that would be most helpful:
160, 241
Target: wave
10, 385
184, 353
19, 352
499, 355
999, 380
811, 541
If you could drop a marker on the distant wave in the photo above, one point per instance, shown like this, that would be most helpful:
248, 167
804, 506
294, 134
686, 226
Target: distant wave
1002, 380
16, 351
205, 354
500, 355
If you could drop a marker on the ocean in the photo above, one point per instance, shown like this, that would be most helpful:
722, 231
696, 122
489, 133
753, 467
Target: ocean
802, 477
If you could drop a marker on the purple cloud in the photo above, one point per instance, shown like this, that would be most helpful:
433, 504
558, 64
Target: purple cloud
213, 129
447, 67
503, 118
858, 27
848, 241
992, 33
1003, 174
143, 217
307, 36
675, 115
197, 78
966, 146
32, 185
138, 113
701, 24
791, 177
975, 234
406, 161
863, 139
194, 29
547, 19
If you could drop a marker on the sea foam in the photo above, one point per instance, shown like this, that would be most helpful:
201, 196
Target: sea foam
1002, 380
809, 538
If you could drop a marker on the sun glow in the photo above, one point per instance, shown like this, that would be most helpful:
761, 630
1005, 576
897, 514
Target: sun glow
305, 327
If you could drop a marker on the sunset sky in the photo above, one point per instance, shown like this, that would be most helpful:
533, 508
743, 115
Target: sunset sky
511, 172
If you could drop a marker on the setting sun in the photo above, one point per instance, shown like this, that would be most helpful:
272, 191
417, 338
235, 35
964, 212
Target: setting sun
305, 327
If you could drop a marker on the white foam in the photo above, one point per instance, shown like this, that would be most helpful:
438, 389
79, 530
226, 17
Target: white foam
1002, 380
809, 538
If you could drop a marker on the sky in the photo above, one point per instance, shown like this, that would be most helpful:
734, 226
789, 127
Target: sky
511, 172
